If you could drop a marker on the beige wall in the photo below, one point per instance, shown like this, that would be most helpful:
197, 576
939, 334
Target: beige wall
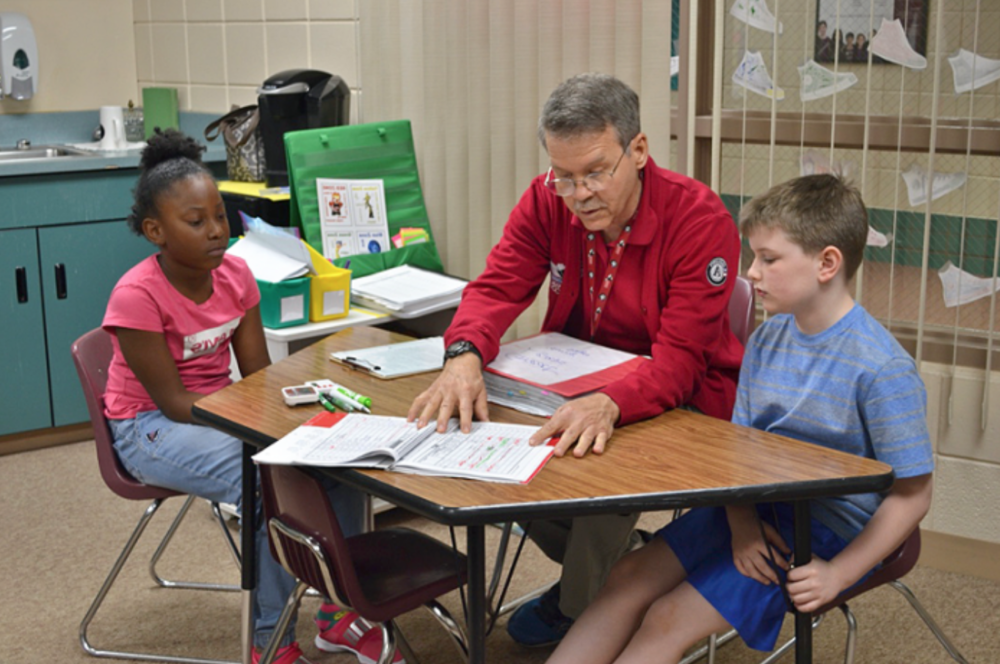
86, 55
217, 52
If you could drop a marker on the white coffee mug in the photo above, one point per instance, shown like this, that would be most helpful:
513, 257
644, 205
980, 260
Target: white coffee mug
113, 123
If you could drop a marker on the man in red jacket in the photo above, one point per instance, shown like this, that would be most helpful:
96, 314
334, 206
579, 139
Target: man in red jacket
639, 259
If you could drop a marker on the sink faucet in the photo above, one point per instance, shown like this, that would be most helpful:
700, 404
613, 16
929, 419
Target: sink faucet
23, 144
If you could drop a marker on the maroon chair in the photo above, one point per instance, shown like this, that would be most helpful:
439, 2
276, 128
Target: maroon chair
895, 566
92, 357
742, 310
380, 574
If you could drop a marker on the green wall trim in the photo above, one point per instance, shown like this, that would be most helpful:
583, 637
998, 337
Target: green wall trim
907, 229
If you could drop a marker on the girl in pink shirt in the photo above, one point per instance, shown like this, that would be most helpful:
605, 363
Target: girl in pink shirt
174, 319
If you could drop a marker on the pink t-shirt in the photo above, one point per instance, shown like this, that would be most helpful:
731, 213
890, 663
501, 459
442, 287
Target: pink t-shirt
198, 335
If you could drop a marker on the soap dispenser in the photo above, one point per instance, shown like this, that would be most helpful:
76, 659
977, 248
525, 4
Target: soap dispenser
18, 57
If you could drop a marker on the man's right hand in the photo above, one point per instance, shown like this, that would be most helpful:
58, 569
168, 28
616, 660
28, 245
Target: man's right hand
460, 386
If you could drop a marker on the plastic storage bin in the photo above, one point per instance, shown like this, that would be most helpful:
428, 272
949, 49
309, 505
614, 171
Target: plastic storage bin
285, 303
330, 290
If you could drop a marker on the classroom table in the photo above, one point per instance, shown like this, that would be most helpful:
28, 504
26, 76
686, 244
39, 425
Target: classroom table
678, 459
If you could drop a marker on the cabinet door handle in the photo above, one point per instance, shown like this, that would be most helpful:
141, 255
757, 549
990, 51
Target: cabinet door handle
21, 277
60, 281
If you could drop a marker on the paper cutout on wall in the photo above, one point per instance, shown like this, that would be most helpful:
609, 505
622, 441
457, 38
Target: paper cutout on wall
878, 239
916, 184
973, 71
961, 287
752, 75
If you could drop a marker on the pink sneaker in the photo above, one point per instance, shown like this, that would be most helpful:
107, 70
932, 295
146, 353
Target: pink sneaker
346, 631
290, 654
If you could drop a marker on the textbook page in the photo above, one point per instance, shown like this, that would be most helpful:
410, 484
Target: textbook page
333, 439
490, 451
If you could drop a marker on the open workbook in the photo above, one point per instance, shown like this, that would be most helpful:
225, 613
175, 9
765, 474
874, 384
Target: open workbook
492, 451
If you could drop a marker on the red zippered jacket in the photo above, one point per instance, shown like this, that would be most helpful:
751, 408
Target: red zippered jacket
688, 247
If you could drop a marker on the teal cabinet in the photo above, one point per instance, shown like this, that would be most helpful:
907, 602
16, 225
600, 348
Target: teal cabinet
63, 246
24, 379
79, 264
56, 287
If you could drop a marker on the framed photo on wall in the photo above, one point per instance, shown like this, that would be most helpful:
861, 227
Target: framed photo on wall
853, 24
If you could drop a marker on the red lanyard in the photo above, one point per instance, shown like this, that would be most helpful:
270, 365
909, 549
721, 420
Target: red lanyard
599, 300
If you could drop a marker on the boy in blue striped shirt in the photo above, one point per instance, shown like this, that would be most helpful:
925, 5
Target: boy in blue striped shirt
822, 370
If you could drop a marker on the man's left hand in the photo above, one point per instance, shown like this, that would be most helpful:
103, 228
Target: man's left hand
588, 422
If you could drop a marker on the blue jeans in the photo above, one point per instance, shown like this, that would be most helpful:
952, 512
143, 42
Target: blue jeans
201, 461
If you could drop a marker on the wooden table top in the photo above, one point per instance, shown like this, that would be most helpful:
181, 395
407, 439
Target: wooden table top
678, 459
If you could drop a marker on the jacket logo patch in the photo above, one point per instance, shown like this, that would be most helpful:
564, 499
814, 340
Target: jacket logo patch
556, 271
717, 271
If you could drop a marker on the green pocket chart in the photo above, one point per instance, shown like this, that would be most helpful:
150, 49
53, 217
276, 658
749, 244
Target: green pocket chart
378, 150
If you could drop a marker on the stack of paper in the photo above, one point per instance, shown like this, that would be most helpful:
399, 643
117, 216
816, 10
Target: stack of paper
407, 292
272, 254
540, 373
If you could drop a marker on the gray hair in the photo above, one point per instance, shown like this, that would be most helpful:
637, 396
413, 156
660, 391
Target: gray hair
589, 103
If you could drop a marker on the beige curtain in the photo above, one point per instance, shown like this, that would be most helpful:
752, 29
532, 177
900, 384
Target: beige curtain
472, 75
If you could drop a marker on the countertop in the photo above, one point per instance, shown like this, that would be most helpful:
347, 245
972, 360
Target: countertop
76, 127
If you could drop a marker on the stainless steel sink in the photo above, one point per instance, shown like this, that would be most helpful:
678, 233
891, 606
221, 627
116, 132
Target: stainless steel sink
41, 152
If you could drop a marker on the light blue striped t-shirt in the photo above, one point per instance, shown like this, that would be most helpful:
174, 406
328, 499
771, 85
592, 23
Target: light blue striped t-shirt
851, 387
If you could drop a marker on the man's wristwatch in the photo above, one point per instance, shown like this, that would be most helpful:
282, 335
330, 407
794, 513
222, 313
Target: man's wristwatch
460, 348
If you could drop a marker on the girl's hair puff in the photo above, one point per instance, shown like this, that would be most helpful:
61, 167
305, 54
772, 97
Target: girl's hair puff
169, 156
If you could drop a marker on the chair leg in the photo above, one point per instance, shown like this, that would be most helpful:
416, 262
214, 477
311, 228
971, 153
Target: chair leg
227, 535
402, 644
501, 557
103, 592
291, 606
454, 629
905, 591
527, 597
190, 585
852, 633
701, 652
389, 631
789, 644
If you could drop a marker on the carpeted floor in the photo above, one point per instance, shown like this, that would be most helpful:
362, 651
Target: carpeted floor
60, 529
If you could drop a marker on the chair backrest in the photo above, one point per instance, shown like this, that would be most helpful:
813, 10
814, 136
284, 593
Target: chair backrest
299, 499
895, 566
742, 314
92, 357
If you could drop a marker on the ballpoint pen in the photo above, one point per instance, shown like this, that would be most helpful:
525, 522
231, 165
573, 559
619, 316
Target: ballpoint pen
340, 401
327, 403
363, 365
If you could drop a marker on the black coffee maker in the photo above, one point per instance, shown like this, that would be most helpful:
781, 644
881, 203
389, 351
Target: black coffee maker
298, 99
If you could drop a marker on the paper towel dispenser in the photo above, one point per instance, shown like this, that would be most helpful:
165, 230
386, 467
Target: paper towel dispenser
18, 57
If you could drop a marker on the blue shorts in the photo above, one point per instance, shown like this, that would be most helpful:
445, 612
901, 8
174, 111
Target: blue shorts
703, 543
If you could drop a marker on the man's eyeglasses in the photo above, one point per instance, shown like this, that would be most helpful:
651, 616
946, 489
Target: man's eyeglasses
594, 182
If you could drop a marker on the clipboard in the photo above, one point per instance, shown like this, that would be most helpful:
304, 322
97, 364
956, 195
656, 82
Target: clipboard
395, 360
